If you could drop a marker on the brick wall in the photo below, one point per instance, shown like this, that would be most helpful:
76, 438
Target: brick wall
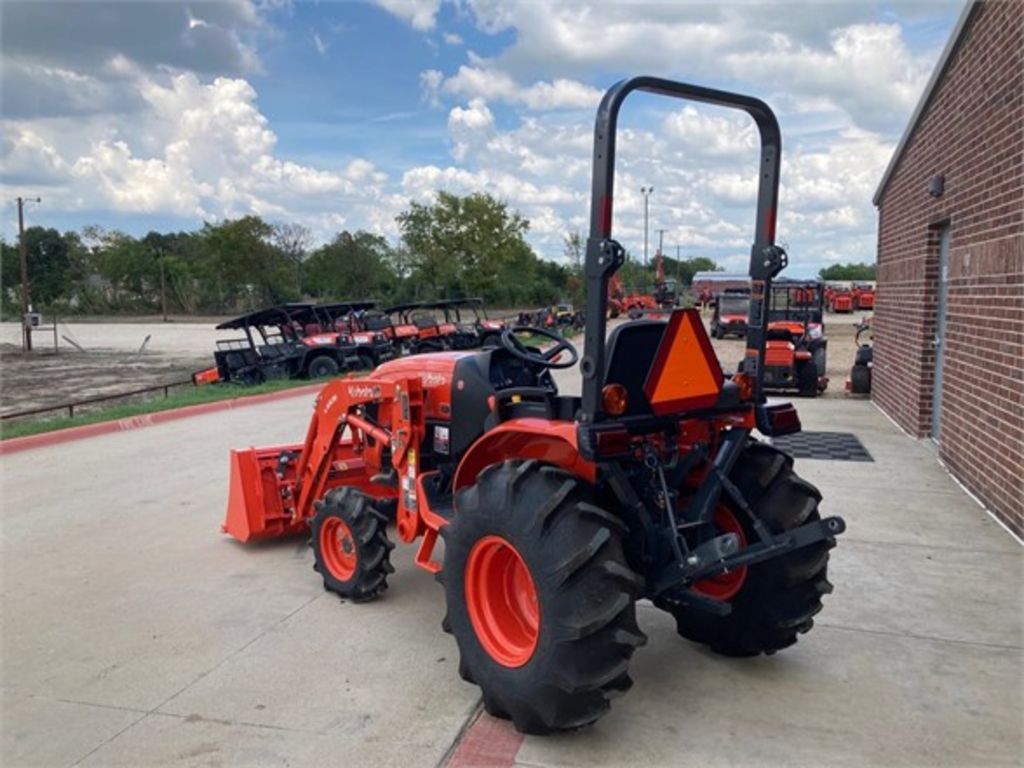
973, 134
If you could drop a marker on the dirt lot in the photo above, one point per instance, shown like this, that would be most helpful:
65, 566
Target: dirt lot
112, 361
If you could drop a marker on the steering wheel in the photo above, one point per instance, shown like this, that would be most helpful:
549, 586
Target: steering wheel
541, 359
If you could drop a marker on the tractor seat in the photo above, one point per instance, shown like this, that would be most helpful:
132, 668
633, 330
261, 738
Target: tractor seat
630, 353
490, 386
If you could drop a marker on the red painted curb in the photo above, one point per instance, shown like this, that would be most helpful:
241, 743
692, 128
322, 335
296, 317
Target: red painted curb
487, 742
17, 444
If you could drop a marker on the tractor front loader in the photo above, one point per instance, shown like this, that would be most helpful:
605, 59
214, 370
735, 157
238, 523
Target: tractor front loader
559, 512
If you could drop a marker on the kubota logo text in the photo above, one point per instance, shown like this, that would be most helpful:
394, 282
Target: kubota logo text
363, 391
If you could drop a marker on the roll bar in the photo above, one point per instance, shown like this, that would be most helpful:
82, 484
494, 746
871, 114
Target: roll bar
604, 256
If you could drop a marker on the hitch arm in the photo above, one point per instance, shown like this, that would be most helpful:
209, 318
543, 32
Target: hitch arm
712, 558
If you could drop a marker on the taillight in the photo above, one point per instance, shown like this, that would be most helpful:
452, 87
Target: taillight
611, 442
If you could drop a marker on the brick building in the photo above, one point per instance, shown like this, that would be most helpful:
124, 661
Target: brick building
949, 338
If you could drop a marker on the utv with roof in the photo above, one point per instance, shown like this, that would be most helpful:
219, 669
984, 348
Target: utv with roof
281, 342
472, 326
351, 318
431, 335
730, 312
796, 346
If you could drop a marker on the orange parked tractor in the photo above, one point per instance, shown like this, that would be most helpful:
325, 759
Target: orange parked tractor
840, 299
863, 296
559, 512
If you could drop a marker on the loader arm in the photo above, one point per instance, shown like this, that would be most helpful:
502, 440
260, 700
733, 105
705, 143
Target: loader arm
274, 490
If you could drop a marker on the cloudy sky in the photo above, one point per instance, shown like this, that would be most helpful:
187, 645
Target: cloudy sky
143, 115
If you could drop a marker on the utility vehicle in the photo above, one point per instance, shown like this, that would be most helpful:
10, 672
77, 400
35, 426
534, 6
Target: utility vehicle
473, 328
729, 314
284, 341
431, 334
558, 512
796, 350
353, 319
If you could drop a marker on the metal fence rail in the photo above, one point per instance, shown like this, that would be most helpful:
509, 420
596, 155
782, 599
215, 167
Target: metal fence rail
70, 406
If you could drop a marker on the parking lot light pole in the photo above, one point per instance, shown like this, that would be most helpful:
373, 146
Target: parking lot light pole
26, 329
646, 192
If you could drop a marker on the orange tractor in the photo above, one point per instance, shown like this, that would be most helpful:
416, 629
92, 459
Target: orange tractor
558, 512
863, 296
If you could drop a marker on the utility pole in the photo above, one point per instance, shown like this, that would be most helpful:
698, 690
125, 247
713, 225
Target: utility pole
646, 192
163, 286
26, 329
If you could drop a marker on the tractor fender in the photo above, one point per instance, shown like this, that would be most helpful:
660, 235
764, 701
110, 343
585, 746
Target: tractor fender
552, 442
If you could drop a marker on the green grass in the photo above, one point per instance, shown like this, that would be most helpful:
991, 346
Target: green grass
178, 398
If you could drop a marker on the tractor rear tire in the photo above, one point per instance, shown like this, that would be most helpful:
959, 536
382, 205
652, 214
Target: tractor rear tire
807, 378
778, 598
541, 600
322, 366
820, 361
350, 545
366, 362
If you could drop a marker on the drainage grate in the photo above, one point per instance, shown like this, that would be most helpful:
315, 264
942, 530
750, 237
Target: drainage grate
831, 446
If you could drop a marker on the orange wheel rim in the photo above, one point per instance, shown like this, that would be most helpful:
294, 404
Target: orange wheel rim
502, 601
725, 585
338, 548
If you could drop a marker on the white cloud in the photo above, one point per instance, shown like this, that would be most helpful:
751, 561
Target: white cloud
318, 43
420, 14
451, 38
833, 50
491, 84
430, 84
206, 152
469, 127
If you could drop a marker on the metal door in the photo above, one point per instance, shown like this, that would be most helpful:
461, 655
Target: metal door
940, 333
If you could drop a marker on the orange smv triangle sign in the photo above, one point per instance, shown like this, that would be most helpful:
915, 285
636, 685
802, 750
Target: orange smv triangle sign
685, 374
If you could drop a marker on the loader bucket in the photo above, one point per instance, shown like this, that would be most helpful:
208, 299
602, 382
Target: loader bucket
256, 495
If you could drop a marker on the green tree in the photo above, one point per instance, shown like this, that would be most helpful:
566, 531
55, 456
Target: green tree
849, 271
574, 248
685, 269
51, 259
352, 266
470, 245
244, 265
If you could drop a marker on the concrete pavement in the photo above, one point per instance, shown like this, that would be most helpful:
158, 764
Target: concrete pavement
135, 634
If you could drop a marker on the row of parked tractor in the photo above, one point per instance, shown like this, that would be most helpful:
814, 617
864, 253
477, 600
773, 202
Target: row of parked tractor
303, 340
844, 297
796, 347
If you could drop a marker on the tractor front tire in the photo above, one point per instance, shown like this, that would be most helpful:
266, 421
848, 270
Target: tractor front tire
366, 362
350, 545
779, 597
541, 600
